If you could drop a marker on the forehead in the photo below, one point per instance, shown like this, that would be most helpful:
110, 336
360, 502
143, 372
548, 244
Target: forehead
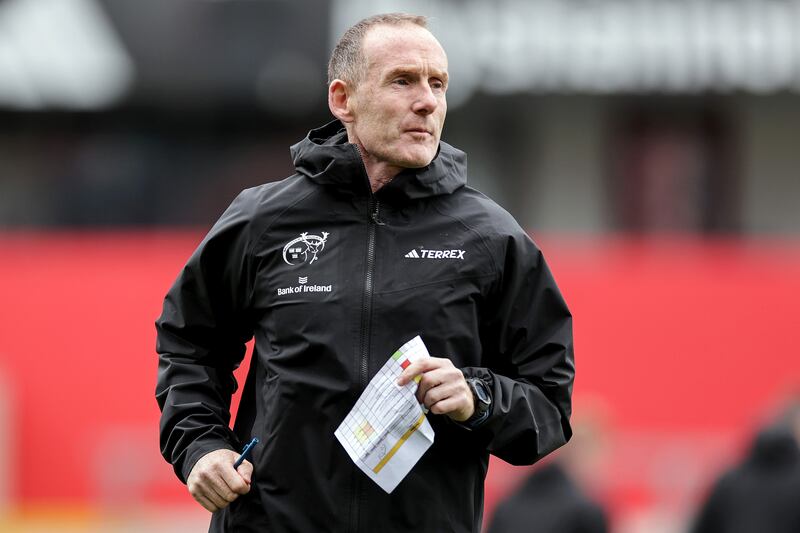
387, 46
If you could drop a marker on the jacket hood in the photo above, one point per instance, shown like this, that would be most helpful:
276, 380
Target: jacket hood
774, 447
326, 157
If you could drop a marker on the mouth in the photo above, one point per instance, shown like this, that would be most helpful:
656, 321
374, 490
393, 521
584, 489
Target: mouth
419, 131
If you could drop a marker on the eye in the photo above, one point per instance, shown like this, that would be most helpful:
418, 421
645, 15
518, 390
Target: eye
400, 81
437, 84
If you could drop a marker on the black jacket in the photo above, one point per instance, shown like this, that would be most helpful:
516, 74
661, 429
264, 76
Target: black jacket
330, 280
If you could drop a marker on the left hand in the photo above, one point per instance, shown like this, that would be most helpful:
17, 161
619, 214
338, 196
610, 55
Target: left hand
442, 387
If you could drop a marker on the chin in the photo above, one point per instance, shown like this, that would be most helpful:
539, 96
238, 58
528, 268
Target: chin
419, 159
415, 163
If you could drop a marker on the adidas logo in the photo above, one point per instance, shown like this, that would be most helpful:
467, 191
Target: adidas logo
436, 254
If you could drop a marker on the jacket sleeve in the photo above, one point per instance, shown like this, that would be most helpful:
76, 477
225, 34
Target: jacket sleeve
528, 358
201, 338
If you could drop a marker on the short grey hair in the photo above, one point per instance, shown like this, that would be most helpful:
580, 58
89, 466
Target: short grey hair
347, 59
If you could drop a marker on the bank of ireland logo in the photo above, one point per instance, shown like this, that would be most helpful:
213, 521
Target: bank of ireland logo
304, 249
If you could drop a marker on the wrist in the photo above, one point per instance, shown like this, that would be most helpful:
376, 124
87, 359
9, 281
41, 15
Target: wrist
482, 402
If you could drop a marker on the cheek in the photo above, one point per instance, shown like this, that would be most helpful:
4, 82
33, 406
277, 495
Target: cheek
370, 130
442, 112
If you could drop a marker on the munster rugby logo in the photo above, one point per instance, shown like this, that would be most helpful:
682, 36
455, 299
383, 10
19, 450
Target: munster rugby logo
304, 249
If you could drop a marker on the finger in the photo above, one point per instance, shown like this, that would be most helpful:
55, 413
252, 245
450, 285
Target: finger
458, 397
209, 481
440, 392
429, 381
443, 376
420, 366
246, 471
219, 485
206, 503
234, 482
200, 489
213, 496
453, 407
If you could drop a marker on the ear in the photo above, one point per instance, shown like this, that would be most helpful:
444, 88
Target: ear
339, 100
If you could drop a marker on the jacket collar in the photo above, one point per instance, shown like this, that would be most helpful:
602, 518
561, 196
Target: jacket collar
326, 157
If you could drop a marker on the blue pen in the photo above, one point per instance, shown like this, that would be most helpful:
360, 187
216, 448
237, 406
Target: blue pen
245, 453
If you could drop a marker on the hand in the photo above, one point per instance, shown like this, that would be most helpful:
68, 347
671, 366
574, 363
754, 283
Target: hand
214, 483
442, 388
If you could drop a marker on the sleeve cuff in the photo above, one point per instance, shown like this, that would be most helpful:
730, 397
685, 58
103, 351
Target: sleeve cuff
478, 422
198, 452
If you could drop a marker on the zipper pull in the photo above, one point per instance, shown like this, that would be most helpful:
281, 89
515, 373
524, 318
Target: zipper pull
376, 214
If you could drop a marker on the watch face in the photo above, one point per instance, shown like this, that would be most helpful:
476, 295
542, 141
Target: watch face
481, 392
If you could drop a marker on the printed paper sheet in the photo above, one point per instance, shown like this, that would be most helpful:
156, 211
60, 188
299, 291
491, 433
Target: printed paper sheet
387, 432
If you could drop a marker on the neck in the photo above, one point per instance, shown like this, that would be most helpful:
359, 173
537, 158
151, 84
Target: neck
379, 173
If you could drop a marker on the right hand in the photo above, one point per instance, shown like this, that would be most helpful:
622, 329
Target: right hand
214, 483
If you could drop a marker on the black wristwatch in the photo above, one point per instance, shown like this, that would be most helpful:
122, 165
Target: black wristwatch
482, 398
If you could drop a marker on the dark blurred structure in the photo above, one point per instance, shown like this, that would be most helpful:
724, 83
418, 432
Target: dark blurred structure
133, 167
648, 117
761, 494
559, 496
674, 168
164, 113
549, 502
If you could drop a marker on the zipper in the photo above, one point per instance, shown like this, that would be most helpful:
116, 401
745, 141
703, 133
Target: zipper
366, 303
373, 221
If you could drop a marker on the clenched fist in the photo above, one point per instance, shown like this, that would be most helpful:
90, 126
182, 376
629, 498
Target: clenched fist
213, 481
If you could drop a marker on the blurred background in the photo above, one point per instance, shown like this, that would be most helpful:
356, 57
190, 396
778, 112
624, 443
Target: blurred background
651, 148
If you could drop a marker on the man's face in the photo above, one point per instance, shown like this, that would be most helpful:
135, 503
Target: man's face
399, 105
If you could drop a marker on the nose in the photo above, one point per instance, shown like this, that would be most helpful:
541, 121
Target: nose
425, 102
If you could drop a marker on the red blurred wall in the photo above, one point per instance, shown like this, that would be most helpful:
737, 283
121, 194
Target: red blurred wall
675, 336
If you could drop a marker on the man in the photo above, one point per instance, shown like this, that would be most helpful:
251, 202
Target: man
548, 501
760, 493
374, 240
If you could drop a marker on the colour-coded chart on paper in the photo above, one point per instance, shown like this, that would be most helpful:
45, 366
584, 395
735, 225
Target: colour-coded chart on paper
387, 432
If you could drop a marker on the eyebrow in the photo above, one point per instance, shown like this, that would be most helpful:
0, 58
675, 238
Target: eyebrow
413, 71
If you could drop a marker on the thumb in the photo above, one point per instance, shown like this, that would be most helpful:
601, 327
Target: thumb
246, 470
